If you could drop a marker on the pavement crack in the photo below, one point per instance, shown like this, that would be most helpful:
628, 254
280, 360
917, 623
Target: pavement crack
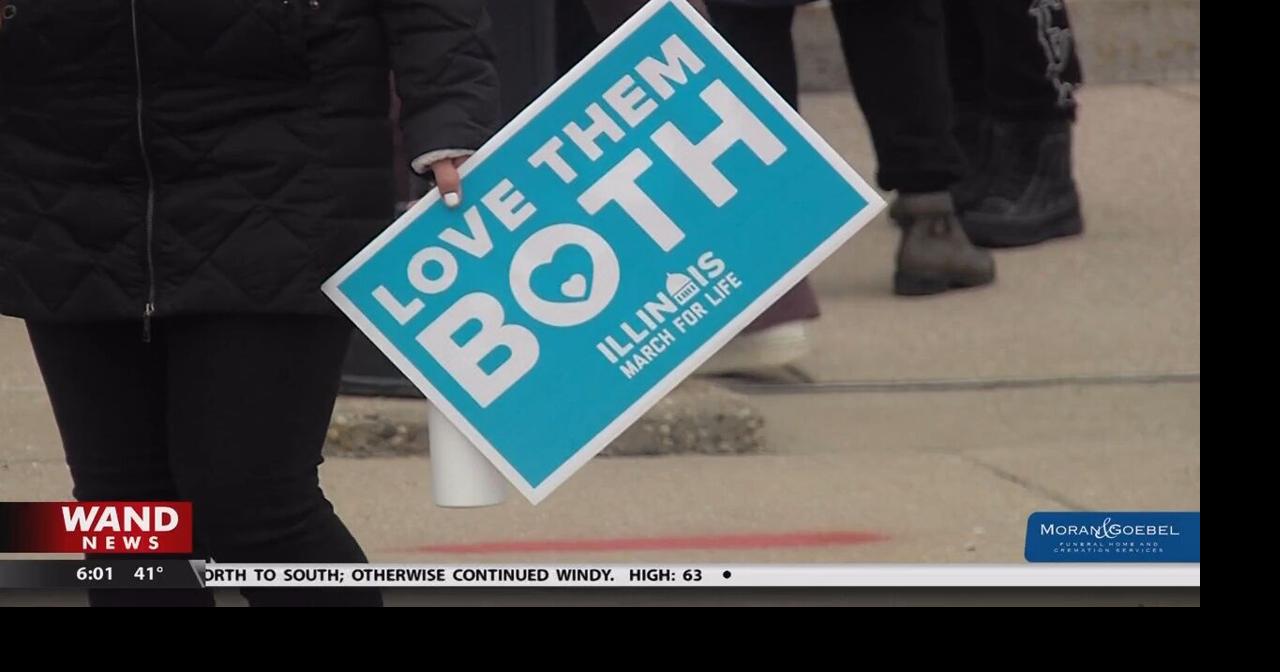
960, 384
1026, 484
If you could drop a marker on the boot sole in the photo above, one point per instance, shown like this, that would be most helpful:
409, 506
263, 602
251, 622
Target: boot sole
996, 233
916, 284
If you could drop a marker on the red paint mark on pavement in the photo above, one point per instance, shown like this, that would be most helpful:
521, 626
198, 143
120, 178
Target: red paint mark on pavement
704, 542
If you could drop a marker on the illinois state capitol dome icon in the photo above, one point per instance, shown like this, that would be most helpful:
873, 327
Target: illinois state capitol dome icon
681, 287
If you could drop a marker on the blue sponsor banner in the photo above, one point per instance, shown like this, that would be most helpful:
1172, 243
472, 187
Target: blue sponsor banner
1151, 536
614, 235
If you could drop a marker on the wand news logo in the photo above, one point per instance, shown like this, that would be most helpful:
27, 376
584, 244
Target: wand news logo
1153, 536
95, 527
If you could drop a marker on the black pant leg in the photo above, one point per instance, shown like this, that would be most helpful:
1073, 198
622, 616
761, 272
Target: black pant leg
896, 54
576, 35
107, 389
607, 15
965, 59
763, 36
1032, 67
249, 405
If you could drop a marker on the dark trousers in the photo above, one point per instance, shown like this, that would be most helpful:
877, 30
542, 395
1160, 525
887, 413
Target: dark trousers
896, 54
763, 36
912, 62
1013, 59
229, 413
895, 51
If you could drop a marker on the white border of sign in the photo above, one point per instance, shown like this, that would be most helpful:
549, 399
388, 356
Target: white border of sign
536, 494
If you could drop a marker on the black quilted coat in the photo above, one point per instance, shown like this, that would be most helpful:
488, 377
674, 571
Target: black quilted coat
177, 157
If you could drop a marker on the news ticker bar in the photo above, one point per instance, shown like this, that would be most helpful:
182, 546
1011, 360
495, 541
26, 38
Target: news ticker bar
143, 573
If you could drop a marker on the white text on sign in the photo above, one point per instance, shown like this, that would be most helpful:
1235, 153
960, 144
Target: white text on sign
629, 101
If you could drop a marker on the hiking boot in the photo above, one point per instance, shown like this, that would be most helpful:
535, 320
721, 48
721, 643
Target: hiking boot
934, 254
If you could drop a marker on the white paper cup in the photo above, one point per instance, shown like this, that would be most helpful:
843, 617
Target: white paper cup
460, 475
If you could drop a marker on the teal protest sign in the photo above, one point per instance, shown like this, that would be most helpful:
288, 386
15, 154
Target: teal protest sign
614, 235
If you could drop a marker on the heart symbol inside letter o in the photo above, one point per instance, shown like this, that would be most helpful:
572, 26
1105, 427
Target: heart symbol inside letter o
539, 249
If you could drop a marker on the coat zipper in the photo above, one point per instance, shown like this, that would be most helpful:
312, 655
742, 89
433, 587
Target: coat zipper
150, 308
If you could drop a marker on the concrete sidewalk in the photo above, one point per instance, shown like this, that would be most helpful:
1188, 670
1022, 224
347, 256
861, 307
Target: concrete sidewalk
942, 422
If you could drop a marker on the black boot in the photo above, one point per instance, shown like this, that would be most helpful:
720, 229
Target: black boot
934, 254
1031, 194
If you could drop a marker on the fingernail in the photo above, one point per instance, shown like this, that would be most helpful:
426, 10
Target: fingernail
452, 199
